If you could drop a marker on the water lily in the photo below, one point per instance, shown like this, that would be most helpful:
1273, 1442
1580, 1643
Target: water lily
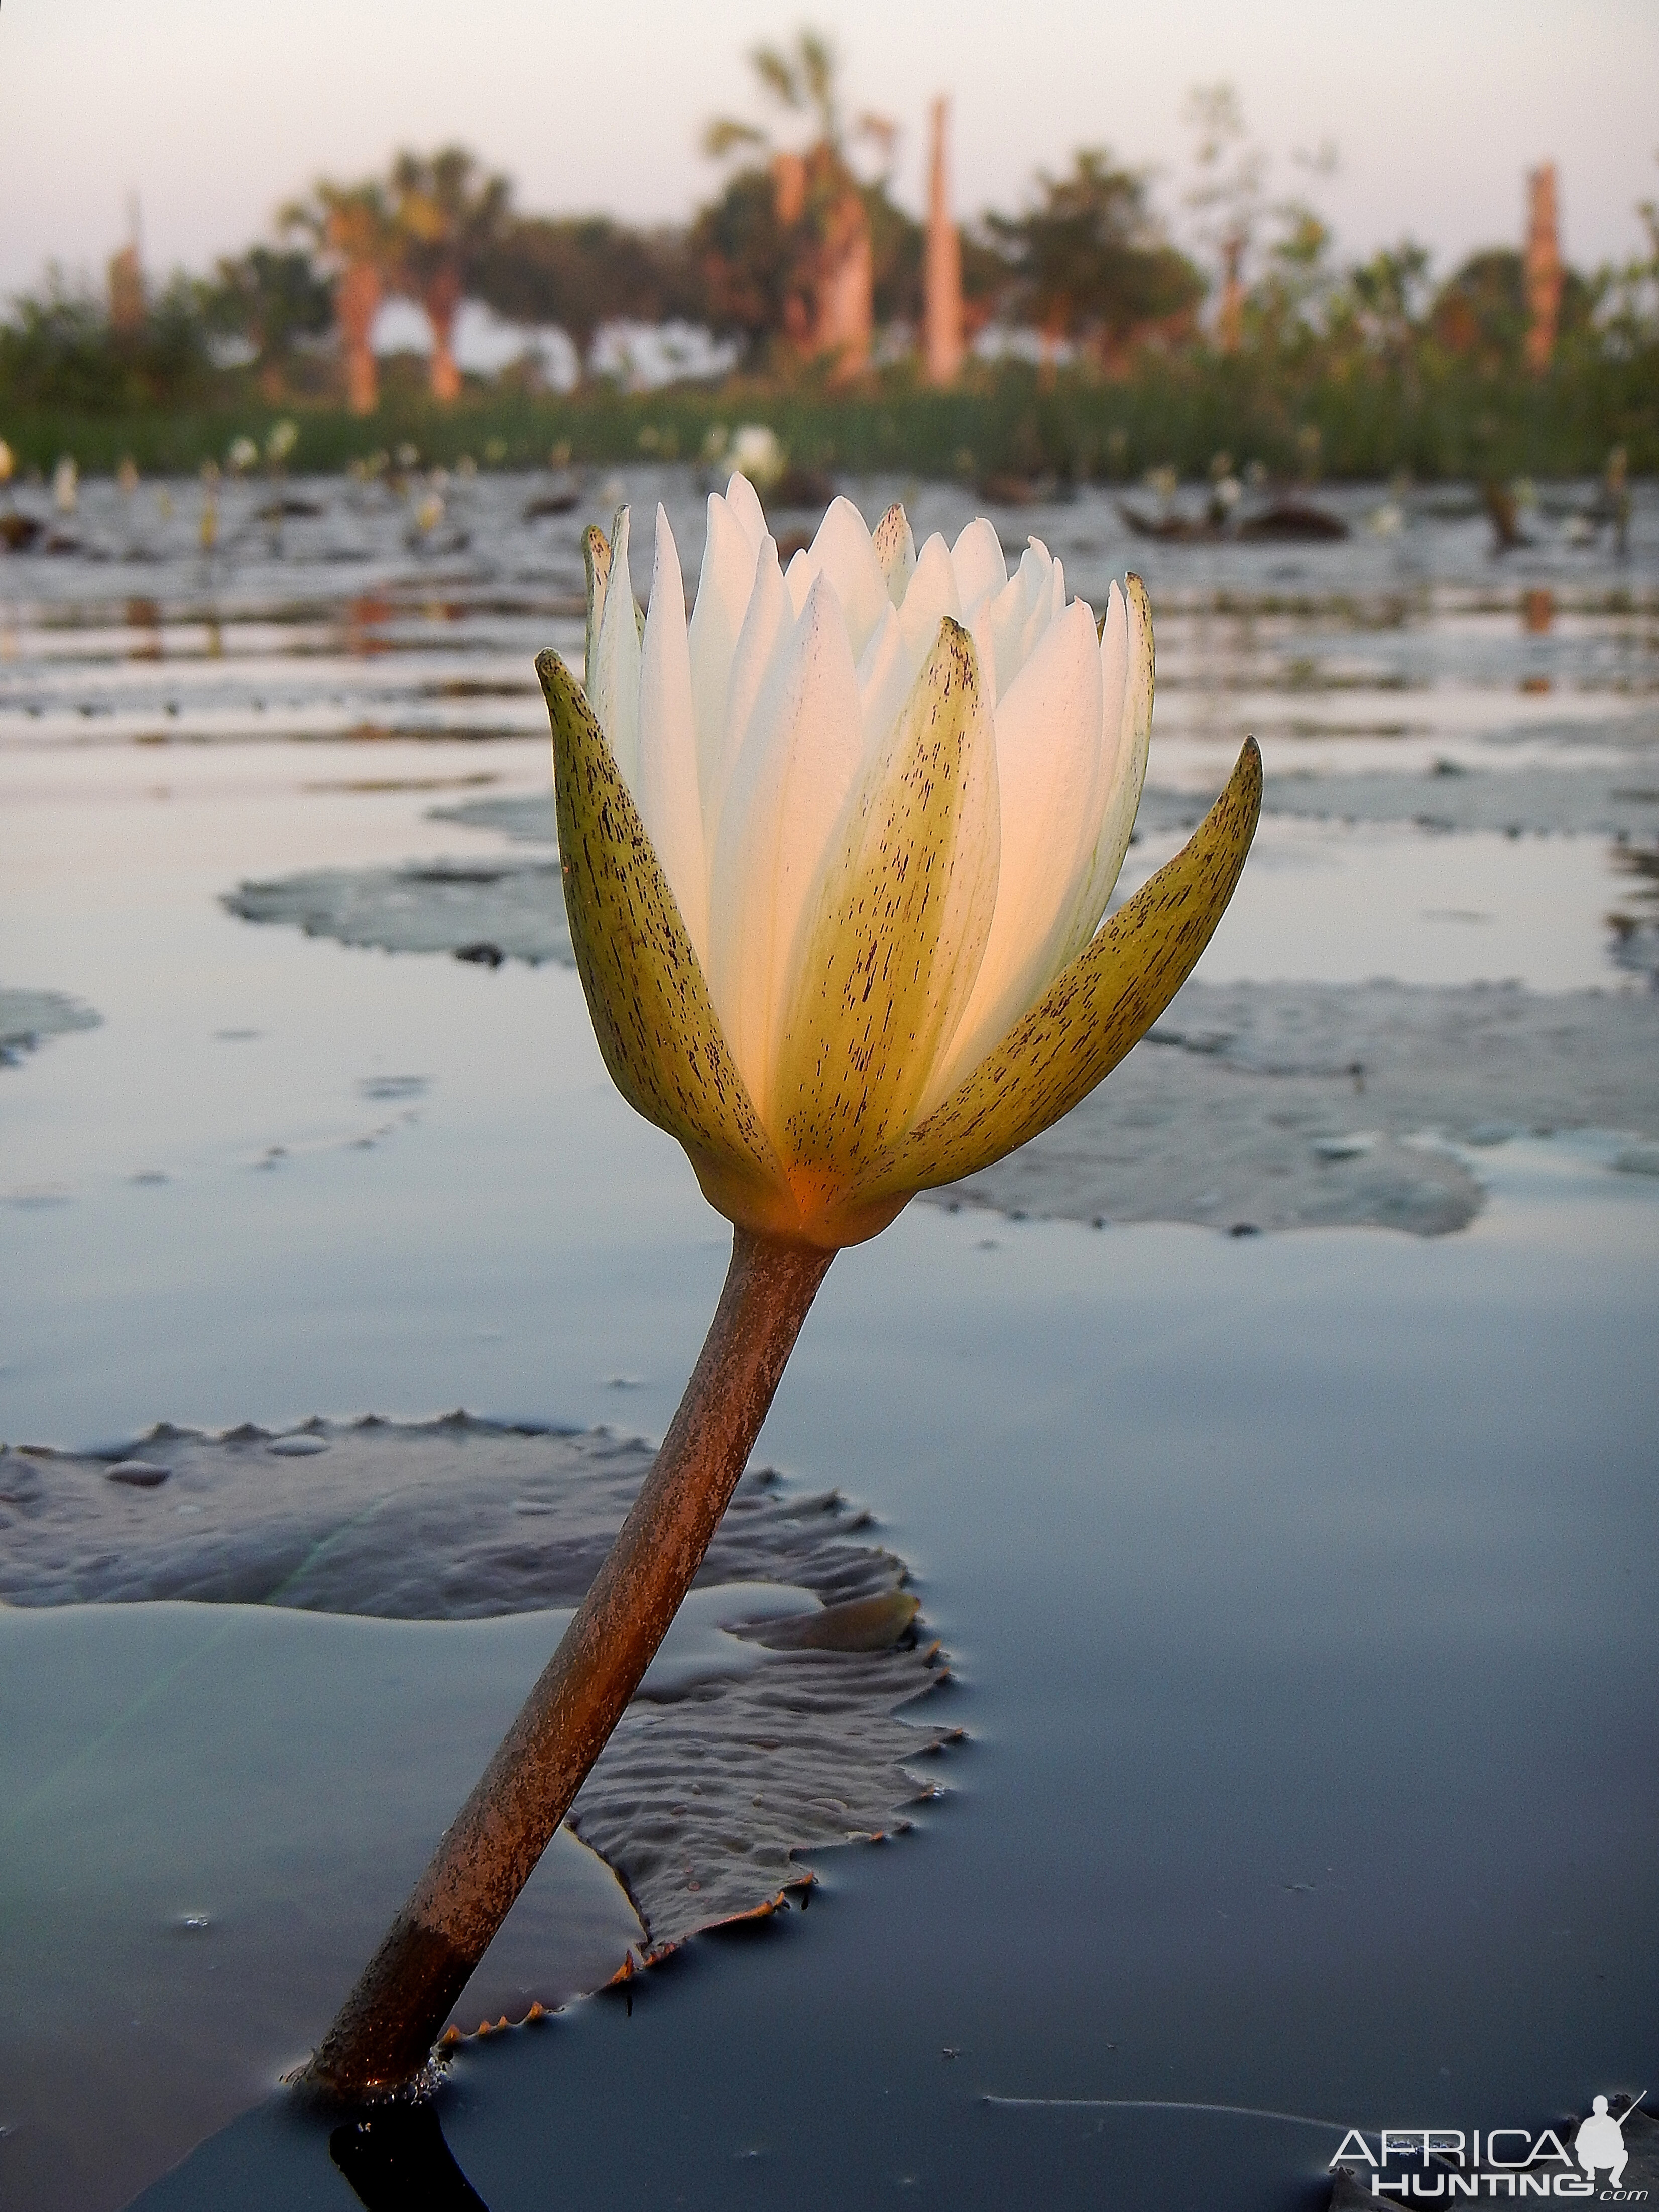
836, 855
837, 850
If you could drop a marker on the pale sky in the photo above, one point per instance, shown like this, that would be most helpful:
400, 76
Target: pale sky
214, 111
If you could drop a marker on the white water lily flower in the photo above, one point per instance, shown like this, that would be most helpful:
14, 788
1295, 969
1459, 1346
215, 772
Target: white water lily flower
837, 850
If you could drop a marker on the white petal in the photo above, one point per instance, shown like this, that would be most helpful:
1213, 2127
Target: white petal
614, 694
723, 594
1113, 676
745, 502
1114, 664
977, 559
977, 621
1047, 587
799, 576
1057, 590
885, 677
1048, 726
767, 623
844, 551
671, 803
790, 783
1127, 717
932, 596
1020, 612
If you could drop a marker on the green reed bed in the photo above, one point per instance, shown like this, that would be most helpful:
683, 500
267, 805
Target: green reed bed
1442, 420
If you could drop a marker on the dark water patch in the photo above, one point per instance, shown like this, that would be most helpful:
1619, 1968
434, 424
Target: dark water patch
1301, 1105
513, 908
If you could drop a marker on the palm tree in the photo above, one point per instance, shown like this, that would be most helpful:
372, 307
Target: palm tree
815, 194
352, 235
450, 216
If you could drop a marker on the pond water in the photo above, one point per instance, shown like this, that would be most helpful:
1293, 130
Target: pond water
1290, 1586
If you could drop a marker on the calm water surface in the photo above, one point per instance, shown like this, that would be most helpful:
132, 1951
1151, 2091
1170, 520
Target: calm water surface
1297, 1588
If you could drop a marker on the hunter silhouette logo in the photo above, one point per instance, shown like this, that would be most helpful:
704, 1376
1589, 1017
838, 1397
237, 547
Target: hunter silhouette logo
1600, 2143
1497, 2162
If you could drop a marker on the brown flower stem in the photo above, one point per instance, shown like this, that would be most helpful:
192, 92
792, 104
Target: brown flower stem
383, 2033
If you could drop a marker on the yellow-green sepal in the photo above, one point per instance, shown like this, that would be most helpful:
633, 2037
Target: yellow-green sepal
1094, 1011
656, 1026
889, 958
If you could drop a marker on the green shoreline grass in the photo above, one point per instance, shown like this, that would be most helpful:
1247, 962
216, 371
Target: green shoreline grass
1180, 412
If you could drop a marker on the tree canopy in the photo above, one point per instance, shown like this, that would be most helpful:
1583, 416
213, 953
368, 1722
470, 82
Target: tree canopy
1089, 261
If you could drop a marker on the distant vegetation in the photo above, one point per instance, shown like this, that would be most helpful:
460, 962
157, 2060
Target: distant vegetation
1104, 348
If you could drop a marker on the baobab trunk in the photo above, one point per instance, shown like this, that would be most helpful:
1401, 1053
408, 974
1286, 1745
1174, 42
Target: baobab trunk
1544, 270
126, 292
846, 290
788, 188
442, 303
942, 269
357, 303
1229, 322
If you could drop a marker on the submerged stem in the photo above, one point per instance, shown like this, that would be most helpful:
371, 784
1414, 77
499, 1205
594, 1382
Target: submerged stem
383, 2033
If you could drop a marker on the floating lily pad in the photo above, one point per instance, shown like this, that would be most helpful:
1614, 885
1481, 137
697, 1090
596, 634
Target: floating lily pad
29, 1016
1622, 801
528, 821
1300, 1105
487, 911
279, 1760
210, 1812
1635, 923
699, 1803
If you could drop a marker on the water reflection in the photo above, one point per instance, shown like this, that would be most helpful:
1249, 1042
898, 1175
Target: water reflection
1537, 610
396, 2159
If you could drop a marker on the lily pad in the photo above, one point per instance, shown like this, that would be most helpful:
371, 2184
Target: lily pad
528, 821
279, 1756
1303, 1105
482, 910
701, 1800
1620, 801
27, 1017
